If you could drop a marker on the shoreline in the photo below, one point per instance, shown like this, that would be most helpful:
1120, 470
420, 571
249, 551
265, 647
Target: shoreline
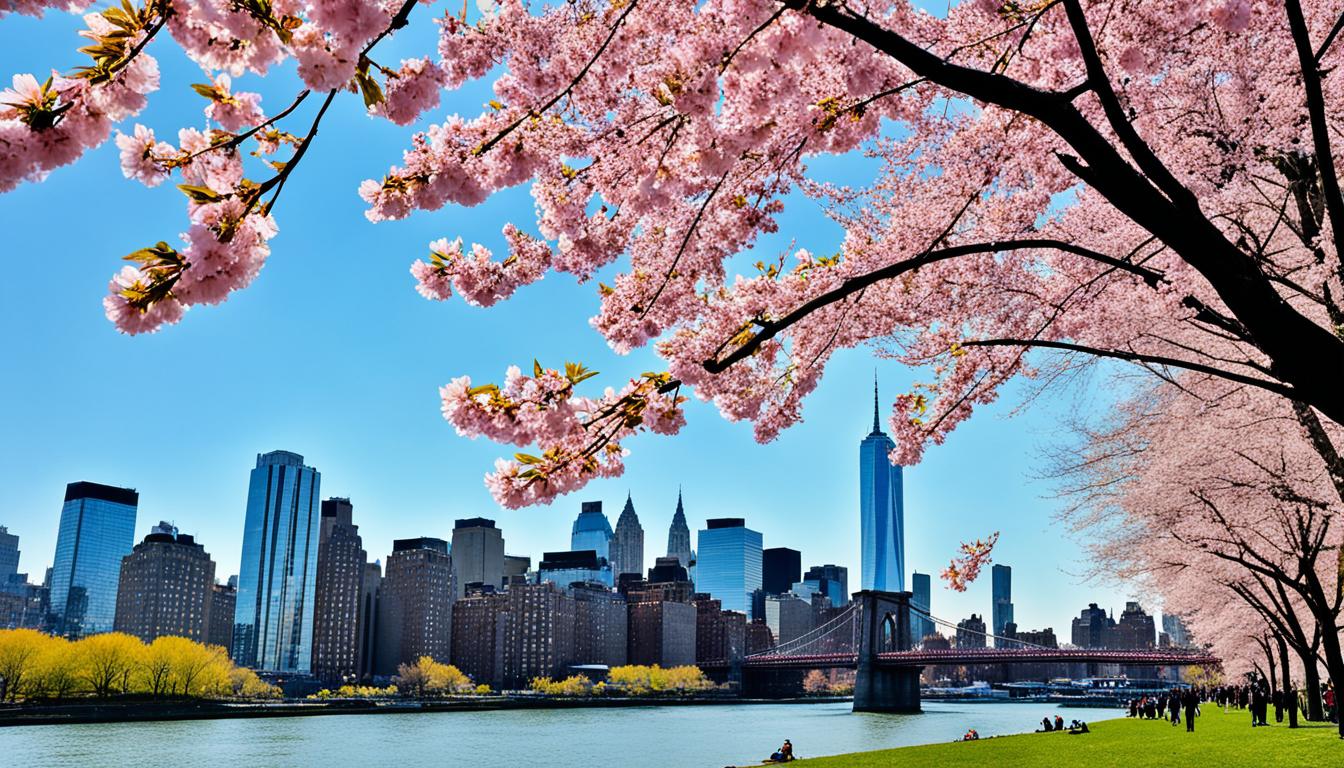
88, 712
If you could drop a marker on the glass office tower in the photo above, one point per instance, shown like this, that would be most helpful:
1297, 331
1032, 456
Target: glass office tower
881, 511
273, 620
97, 530
1002, 613
591, 530
920, 627
729, 563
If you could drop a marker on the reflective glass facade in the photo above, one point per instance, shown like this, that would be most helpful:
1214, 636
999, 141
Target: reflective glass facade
97, 530
1002, 613
591, 530
881, 511
729, 564
920, 627
273, 619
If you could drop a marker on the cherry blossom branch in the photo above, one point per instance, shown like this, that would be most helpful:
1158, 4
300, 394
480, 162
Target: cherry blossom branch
238, 140
1135, 357
482, 149
1115, 113
852, 285
1329, 38
1320, 132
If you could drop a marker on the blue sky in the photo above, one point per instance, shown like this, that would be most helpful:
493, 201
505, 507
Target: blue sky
331, 354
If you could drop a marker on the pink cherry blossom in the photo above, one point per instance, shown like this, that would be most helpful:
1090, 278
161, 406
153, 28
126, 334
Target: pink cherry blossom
142, 157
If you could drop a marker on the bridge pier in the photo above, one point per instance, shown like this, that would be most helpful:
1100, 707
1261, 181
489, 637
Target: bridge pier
884, 626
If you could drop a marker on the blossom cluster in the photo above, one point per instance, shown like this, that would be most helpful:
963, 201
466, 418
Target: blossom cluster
579, 437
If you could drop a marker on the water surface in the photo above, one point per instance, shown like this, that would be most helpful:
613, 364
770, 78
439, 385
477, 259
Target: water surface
658, 737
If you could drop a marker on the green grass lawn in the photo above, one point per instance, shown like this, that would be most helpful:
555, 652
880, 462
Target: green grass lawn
1219, 740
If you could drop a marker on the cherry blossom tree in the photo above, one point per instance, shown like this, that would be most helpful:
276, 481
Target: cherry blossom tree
1216, 488
1152, 182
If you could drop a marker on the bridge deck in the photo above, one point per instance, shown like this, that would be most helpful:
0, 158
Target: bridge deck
957, 656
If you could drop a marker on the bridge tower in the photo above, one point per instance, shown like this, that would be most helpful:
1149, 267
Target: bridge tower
884, 625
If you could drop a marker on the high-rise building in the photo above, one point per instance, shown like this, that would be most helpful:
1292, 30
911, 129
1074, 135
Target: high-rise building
478, 635
591, 530
340, 576
600, 625
920, 626
1135, 629
759, 636
971, 632
881, 510
538, 636
627, 546
719, 635
165, 587
662, 632
416, 604
781, 567
1002, 613
516, 566
1092, 627
273, 620
1175, 630
223, 602
679, 537
370, 592
565, 568
9, 556
729, 564
97, 529
788, 617
830, 580
478, 554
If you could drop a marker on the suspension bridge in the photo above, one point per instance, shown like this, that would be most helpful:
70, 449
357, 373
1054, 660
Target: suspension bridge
873, 636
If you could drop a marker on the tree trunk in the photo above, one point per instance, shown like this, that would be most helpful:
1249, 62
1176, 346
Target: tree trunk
1334, 665
1312, 683
1289, 694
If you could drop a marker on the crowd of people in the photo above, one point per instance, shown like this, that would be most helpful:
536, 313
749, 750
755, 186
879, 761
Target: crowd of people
1168, 706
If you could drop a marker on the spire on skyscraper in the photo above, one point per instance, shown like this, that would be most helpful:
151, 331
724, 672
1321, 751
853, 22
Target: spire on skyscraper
679, 535
877, 426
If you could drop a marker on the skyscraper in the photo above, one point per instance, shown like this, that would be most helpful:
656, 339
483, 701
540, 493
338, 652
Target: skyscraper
97, 530
679, 537
780, 568
971, 632
340, 576
920, 627
881, 510
165, 587
830, 580
9, 555
591, 530
370, 593
273, 620
729, 565
1175, 630
627, 552
416, 604
223, 601
1003, 598
478, 554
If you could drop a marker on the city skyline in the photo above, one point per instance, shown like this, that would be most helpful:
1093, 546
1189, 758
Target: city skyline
651, 548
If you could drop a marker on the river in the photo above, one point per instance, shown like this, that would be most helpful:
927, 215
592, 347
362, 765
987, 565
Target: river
661, 737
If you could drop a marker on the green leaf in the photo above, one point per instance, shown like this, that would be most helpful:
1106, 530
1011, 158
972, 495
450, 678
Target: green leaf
200, 194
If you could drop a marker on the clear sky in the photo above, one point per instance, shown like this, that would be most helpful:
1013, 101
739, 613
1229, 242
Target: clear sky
331, 354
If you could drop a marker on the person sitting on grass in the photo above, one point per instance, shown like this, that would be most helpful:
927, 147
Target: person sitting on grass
1059, 723
1078, 726
971, 735
1046, 727
784, 754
